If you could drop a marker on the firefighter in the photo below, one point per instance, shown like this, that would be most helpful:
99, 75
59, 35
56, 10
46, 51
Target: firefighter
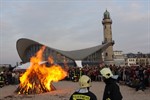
112, 90
83, 93
75, 75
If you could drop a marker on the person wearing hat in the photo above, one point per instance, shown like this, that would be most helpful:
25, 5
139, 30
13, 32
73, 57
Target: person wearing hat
83, 93
112, 90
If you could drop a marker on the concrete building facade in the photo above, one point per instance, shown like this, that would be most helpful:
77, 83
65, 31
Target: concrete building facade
119, 58
137, 59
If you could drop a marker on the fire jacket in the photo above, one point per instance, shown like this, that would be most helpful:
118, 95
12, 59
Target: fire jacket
112, 90
78, 95
1, 79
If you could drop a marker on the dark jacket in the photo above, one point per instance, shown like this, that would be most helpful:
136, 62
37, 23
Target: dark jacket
83, 96
112, 90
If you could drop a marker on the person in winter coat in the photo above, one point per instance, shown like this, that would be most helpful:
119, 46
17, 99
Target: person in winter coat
112, 90
83, 93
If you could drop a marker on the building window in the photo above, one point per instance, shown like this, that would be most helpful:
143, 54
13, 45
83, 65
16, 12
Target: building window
105, 39
106, 54
112, 56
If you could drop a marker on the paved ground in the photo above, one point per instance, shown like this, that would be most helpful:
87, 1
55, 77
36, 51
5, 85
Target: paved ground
66, 88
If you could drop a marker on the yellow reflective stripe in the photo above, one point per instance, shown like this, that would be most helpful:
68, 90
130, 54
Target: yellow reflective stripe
80, 96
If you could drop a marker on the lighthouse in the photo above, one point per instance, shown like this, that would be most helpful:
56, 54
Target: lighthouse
107, 31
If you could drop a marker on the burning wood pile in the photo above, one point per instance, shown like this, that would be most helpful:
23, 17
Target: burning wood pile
39, 76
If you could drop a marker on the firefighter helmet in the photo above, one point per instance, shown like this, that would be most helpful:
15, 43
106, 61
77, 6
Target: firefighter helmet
85, 81
106, 72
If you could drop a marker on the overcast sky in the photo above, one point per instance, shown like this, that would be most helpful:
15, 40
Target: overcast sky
73, 24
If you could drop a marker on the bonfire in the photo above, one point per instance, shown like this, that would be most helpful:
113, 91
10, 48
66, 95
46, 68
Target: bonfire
39, 76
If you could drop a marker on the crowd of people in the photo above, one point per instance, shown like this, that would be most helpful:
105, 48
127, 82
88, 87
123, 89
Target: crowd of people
9, 78
137, 77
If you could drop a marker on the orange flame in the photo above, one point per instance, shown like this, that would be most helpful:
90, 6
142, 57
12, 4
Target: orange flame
39, 75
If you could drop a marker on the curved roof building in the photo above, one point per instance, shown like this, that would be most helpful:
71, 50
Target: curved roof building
27, 48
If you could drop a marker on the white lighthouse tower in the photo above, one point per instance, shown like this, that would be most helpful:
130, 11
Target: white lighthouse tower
108, 53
